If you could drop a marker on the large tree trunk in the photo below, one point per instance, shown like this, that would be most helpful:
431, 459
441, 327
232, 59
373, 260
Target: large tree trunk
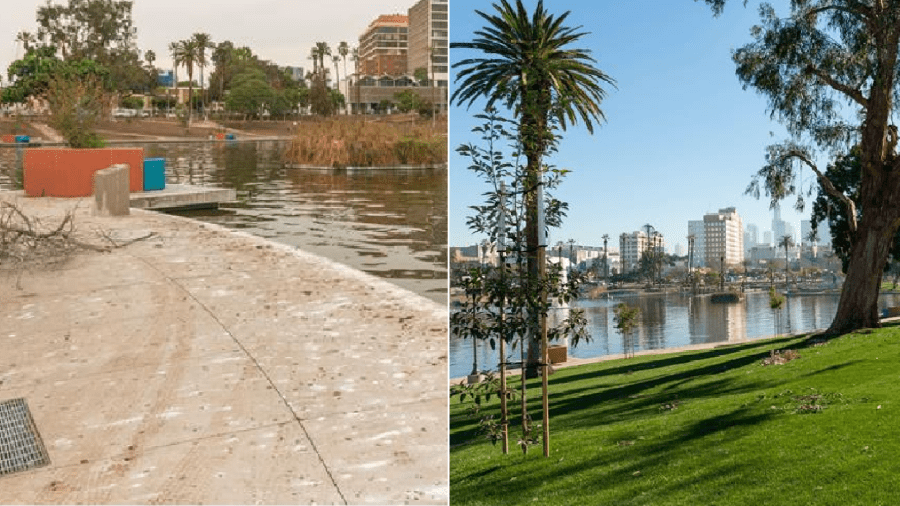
858, 306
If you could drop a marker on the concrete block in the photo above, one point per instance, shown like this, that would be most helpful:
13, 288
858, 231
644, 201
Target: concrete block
111, 196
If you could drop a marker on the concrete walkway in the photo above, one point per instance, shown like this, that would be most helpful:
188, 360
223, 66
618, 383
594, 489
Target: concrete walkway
207, 366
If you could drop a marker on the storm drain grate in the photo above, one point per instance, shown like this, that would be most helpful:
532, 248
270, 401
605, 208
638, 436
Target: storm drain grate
21, 447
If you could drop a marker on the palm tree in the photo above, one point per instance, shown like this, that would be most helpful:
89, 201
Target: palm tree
186, 53
323, 50
174, 50
314, 55
344, 50
150, 57
203, 42
337, 76
528, 67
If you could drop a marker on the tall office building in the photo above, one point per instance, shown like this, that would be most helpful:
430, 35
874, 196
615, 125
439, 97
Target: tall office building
724, 238
751, 236
428, 45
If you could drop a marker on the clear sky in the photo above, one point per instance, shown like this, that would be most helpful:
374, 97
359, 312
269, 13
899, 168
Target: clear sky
282, 31
682, 137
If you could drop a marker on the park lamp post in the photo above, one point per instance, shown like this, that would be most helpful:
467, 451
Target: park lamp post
542, 273
501, 251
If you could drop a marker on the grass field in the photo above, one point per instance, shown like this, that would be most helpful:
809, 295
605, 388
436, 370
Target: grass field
704, 427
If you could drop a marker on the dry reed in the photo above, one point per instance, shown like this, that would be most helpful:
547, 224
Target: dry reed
356, 142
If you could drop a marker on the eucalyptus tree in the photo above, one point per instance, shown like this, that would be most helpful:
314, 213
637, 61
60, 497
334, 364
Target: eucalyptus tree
830, 73
528, 66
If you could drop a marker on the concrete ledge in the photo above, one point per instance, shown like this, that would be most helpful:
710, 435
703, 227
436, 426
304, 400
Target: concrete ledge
182, 196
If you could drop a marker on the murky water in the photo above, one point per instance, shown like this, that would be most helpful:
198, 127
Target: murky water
672, 320
389, 223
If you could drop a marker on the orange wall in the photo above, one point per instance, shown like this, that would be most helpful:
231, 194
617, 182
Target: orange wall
66, 172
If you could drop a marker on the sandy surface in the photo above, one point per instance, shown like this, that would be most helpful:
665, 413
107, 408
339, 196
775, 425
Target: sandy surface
207, 366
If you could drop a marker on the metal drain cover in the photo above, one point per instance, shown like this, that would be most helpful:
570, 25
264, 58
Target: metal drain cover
21, 447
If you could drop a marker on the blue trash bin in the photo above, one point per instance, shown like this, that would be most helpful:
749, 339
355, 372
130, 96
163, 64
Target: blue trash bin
154, 174
23, 139
229, 137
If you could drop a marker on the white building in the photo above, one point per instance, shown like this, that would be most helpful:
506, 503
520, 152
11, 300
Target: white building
633, 245
697, 229
724, 238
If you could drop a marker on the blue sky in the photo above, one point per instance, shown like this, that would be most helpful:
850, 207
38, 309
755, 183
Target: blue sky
682, 136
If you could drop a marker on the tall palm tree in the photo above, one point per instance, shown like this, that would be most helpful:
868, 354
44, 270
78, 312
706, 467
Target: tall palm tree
528, 67
150, 57
314, 55
186, 53
343, 50
203, 42
337, 76
174, 51
323, 50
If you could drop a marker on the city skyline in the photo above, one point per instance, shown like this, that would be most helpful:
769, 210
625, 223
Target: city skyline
682, 138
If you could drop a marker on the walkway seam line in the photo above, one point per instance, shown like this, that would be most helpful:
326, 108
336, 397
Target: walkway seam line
259, 368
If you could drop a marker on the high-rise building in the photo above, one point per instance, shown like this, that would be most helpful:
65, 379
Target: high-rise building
724, 238
767, 238
428, 44
697, 229
751, 237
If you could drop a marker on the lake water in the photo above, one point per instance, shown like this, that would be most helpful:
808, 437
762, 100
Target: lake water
389, 223
672, 320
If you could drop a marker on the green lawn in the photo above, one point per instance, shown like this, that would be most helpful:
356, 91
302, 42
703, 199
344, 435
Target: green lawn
740, 432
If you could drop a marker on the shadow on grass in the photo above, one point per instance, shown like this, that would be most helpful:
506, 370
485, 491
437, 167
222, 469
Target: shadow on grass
673, 360
624, 469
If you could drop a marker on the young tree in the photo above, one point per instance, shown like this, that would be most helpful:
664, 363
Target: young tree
829, 71
528, 67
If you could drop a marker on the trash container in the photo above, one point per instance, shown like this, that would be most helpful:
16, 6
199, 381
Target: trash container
23, 139
154, 174
229, 137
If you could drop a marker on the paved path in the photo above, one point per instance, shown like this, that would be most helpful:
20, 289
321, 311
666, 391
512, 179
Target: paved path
208, 366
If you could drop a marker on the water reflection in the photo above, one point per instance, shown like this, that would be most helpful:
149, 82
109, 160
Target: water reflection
389, 223
673, 320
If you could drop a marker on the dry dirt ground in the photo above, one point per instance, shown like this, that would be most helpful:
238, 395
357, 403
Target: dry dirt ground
200, 365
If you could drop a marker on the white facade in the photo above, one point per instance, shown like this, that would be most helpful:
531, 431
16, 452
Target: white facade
632, 246
697, 229
724, 238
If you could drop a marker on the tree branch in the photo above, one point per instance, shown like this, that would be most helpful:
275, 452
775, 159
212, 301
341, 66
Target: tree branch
851, 92
826, 183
